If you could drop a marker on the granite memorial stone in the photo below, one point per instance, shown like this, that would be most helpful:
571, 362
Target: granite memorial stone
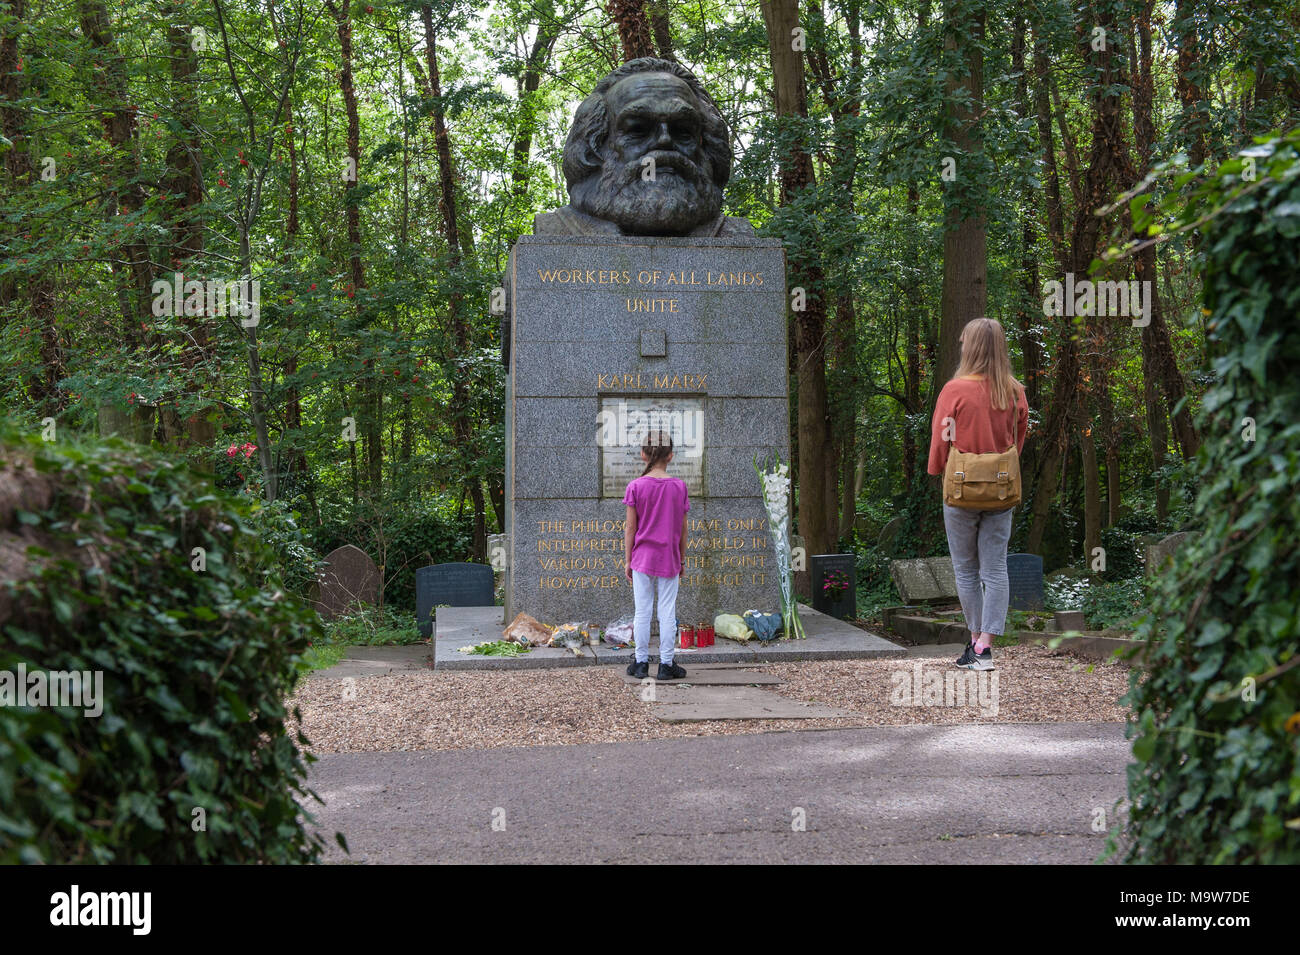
838, 602
1025, 573
456, 585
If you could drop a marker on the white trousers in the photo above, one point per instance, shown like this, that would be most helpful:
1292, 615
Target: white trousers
643, 590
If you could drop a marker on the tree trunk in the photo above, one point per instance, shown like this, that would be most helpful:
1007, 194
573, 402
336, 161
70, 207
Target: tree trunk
805, 271
1091, 494
460, 398
1027, 315
185, 179
1105, 172
633, 25
548, 29
37, 289
1191, 99
1052, 179
965, 256
133, 274
371, 386
1158, 359
661, 26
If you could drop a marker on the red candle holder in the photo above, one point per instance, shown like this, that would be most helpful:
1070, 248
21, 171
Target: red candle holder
688, 637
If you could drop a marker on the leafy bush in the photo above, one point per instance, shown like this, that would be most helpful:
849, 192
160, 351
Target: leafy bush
97, 542
288, 555
403, 536
373, 627
1113, 603
1215, 720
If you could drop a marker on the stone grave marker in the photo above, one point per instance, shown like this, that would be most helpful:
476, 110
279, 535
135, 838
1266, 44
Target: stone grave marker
889, 535
349, 580
1025, 572
456, 585
1159, 554
923, 579
845, 605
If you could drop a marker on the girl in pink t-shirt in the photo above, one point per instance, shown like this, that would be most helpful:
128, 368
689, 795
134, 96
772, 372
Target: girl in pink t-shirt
654, 541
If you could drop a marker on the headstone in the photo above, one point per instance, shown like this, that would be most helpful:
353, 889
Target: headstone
843, 604
1025, 572
889, 534
456, 585
1064, 620
637, 307
924, 579
1159, 554
349, 580
498, 551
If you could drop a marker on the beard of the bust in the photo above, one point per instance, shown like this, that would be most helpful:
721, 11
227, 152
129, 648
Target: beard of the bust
680, 197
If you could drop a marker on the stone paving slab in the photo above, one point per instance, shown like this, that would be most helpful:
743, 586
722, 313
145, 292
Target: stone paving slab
673, 693
768, 707
708, 676
937, 650
828, 639
363, 661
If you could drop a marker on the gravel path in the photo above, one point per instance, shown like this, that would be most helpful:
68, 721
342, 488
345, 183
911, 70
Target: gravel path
481, 709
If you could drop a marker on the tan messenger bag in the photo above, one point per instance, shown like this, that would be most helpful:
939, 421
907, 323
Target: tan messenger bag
982, 482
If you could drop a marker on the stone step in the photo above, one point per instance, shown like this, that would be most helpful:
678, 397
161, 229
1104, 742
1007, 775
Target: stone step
705, 676
772, 708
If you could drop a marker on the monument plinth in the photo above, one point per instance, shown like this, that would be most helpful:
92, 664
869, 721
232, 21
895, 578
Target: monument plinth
640, 306
611, 337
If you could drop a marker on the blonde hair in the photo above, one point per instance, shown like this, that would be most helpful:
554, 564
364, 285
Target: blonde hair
656, 446
984, 352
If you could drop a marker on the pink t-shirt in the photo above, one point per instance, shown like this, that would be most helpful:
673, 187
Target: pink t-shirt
660, 505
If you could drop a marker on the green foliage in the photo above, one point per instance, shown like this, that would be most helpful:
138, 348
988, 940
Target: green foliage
400, 536
287, 554
1113, 603
1215, 777
373, 627
195, 666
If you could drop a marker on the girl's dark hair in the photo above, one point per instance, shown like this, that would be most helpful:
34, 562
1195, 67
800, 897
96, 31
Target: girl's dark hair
656, 446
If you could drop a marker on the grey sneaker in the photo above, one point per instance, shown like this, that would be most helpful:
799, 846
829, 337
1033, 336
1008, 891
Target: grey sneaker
967, 657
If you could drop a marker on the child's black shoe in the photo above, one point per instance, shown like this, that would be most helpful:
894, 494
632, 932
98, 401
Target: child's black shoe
639, 671
670, 671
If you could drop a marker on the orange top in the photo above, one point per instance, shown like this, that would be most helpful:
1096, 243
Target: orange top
977, 427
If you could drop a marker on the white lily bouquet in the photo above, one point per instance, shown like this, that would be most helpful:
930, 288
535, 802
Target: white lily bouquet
776, 500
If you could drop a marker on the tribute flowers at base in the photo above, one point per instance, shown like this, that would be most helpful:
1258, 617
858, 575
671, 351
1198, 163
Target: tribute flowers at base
774, 477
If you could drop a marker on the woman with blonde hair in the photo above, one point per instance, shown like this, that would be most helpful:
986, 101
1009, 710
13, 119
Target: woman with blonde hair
982, 410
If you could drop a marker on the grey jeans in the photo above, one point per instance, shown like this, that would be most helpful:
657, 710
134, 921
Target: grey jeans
977, 541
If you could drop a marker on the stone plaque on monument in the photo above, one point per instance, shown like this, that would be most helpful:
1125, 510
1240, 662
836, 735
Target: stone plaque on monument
641, 306
624, 423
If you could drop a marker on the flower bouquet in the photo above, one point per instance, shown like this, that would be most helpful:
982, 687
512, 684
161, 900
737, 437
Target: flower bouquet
775, 480
835, 584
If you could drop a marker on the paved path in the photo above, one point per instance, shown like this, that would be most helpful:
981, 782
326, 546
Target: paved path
377, 661
1022, 793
